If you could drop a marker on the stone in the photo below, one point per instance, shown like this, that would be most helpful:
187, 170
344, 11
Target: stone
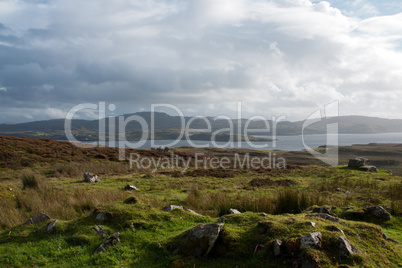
311, 240
369, 168
111, 241
325, 209
171, 207
130, 200
277, 247
38, 218
325, 216
193, 212
100, 231
51, 227
91, 178
389, 239
337, 229
357, 162
310, 223
129, 187
263, 214
234, 211
102, 217
378, 213
201, 239
346, 248
221, 219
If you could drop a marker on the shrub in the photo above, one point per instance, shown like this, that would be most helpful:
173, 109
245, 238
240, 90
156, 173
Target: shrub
29, 180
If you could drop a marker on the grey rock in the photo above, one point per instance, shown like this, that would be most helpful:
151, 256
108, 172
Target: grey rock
377, 212
311, 240
91, 178
311, 223
201, 239
38, 218
51, 227
129, 187
325, 216
111, 241
100, 231
264, 214
338, 230
277, 247
102, 217
346, 248
193, 212
357, 162
171, 207
369, 168
234, 211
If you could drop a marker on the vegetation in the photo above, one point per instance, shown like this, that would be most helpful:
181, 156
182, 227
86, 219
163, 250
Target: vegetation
149, 236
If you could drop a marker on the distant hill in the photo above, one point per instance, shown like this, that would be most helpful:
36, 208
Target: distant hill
169, 127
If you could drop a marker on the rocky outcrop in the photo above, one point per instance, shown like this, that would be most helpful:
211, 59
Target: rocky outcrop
111, 241
377, 213
234, 211
325, 216
171, 207
346, 248
91, 178
369, 168
38, 218
311, 240
357, 162
200, 240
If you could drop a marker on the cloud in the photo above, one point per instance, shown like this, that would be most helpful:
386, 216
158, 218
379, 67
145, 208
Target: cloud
277, 57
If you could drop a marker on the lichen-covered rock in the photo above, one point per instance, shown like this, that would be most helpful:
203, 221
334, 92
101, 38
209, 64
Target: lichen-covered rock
346, 248
91, 178
51, 227
377, 213
201, 239
311, 240
111, 241
234, 211
38, 218
171, 207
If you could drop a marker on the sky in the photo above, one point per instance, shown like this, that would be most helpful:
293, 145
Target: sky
277, 57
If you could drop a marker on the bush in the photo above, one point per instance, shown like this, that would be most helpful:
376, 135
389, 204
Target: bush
29, 180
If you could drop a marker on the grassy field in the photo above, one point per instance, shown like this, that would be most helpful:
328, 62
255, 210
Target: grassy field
149, 236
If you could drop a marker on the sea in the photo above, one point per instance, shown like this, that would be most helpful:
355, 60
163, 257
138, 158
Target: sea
285, 143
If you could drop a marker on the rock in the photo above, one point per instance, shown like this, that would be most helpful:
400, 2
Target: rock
378, 213
193, 212
346, 248
130, 200
100, 231
129, 187
310, 223
323, 209
389, 239
234, 211
369, 168
102, 217
325, 216
277, 247
111, 241
38, 218
201, 239
357, 162
221, 219
263, 214
171, 207
91, 178
311, 240
51, 227
337, 229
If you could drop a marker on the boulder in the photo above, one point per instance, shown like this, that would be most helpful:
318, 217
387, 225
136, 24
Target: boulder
100, 231
201, 239
129, 187
378, 213
234, 211
325, 216
171, 207
346, 248
91, 178
311, 240
193, 212
111, 241
369, 168
277, 247
357, 162
51, 227
38, 218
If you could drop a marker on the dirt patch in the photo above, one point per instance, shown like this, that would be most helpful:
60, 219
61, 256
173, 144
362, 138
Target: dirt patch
269, 182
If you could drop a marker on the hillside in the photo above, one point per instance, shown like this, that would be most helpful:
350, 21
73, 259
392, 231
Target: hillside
279, 211
168, 127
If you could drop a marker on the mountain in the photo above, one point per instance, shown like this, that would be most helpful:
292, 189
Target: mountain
170, 127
